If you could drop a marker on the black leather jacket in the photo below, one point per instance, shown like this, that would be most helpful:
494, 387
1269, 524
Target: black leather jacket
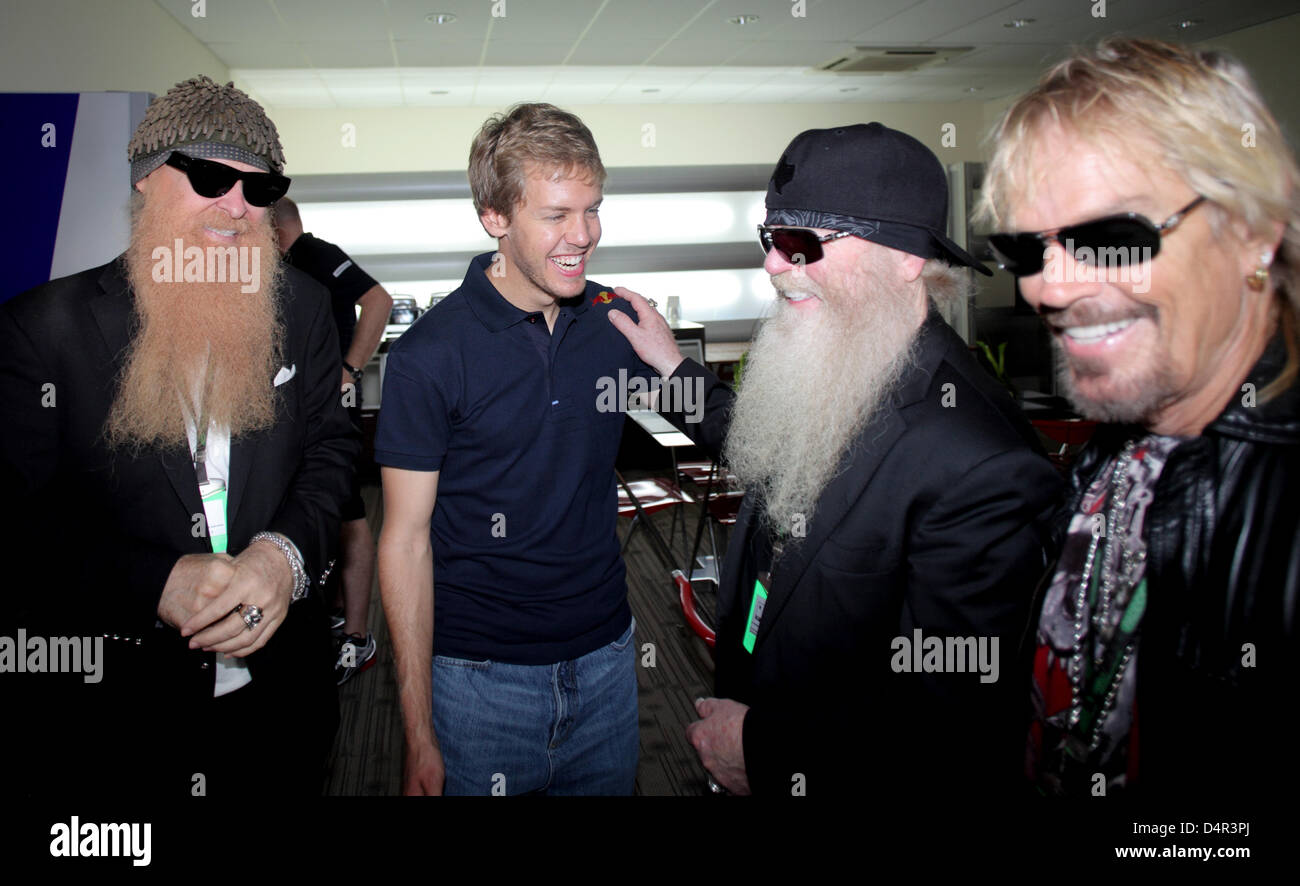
1217, 657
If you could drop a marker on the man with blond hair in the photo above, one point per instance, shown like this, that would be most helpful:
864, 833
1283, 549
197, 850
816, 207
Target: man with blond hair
491, 414
1147, 200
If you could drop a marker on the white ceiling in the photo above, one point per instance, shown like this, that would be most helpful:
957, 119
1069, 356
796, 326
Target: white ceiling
383, 53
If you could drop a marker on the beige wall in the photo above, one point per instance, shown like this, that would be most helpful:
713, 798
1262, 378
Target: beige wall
75, 46
1269, 51
405, 139
993, 112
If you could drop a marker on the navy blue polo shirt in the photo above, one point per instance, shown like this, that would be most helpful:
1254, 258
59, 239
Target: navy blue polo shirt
526, 559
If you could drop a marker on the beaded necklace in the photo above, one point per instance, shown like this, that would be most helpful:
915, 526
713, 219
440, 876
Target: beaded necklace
1118, 579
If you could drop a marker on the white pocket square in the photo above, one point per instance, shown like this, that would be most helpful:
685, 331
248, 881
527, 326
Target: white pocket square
285, 373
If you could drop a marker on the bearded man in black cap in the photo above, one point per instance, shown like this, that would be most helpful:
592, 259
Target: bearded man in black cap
881, 569
173, 459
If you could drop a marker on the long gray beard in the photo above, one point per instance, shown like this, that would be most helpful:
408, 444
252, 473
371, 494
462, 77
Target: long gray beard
811, 384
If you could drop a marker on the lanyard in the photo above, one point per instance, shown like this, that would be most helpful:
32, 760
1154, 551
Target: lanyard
212, 492
759, 600
201, 429
201, 447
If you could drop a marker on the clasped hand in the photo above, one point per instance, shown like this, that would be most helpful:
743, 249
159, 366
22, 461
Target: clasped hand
204, 594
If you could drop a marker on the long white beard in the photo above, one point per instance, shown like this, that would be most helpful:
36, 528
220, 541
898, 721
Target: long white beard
812, 382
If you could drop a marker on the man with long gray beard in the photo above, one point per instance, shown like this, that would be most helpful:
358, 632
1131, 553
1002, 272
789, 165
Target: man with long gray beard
173, 460
880, 572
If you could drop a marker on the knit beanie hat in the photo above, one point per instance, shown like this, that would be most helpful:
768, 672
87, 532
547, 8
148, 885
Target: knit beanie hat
202, 119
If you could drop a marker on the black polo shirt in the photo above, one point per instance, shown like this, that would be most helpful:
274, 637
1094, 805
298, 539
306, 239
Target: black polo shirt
526, 559
331, 267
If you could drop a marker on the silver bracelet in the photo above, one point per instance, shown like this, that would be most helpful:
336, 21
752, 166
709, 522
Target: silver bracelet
295, 563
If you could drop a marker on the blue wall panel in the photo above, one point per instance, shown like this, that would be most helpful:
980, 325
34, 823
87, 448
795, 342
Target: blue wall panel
34, 179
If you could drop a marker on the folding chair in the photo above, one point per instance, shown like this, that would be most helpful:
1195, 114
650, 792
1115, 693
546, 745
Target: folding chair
640, 498
1070, 433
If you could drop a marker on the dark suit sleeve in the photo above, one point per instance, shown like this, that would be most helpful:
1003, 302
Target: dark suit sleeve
974, 556
310, 512
28, 453
706, 426
41, 527
980, 549
29, 444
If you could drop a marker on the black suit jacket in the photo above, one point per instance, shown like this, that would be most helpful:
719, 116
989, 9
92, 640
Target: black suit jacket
97, 532
936, 522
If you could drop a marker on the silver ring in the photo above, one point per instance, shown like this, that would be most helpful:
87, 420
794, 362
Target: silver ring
715, 787
252, 617
652, 302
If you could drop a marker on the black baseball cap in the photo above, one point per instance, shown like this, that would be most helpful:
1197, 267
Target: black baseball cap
875, 182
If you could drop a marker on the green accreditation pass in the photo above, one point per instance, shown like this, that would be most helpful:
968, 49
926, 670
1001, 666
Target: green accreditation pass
755, 612
213, 493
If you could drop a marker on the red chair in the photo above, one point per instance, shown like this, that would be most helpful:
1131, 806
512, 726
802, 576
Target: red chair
722, 496
1071, 434
700, 472
686, 595
640, 498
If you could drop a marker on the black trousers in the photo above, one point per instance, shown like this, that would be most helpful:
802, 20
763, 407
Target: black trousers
262, 740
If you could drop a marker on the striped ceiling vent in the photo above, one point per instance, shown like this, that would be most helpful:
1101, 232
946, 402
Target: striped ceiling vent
891, 59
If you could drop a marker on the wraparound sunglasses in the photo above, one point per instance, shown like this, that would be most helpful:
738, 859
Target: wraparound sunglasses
211, 179
1127, 238
792, 242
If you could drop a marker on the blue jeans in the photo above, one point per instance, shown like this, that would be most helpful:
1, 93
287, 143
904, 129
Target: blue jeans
564, 728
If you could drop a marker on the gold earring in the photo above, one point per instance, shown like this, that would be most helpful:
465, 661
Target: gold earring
1258, 280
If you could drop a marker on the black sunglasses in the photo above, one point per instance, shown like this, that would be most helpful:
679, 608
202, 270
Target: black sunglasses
1113, 241
799, 246
211, 179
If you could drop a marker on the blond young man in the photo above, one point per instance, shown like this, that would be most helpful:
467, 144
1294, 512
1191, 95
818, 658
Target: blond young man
499, 564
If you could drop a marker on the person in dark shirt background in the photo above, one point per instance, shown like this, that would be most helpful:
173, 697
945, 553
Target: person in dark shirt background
348, 286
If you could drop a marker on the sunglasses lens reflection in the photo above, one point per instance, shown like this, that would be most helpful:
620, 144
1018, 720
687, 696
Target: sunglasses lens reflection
1115, 242
212, 180
263, 193
797, 246
1110, 242
1020, 254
